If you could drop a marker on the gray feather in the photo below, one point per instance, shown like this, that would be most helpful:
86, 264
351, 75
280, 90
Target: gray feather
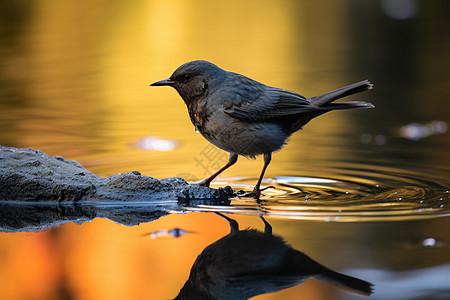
324, 99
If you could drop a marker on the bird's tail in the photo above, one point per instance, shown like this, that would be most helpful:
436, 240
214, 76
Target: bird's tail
326, 99
355, 284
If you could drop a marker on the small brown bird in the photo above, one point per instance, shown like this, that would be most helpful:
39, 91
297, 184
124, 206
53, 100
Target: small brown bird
245, 117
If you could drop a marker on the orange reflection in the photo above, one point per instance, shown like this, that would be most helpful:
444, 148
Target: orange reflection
103, 260
29, 266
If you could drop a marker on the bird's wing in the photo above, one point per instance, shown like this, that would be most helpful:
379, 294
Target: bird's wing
251, 100
264, 283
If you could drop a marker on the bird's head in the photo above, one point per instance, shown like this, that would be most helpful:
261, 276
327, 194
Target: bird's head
194, 79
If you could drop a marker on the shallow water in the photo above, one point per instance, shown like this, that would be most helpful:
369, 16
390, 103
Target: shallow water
362, 192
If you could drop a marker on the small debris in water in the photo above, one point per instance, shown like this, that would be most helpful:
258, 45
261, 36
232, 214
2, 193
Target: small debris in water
366, 138
421, 201
431, 242
346, 193
428, 242
307, 198
415, 131
175, 232
400, 10
155, 144
380, 139
400, 198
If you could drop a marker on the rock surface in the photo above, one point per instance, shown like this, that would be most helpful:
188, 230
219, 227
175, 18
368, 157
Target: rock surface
28, 175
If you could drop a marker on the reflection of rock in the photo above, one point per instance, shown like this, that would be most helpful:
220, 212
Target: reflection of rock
246, 263
21, 217
134, 215
31, 175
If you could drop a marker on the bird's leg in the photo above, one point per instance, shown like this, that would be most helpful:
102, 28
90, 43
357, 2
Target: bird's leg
234, 225
231, 161
267, 226
257, 190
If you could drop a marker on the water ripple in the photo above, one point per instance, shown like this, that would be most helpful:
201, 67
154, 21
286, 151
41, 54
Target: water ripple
351, 194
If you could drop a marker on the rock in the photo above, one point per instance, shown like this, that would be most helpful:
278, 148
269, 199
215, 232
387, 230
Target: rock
29, 175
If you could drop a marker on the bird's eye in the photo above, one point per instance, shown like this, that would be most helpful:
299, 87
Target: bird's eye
186, 77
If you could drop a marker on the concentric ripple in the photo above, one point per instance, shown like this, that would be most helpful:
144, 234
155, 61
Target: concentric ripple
358, 194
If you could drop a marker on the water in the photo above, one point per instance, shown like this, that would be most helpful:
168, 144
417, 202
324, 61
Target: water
349, 198
365, 193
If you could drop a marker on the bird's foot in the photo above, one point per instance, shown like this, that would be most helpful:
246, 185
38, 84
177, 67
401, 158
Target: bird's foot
267, 187
256, 193
205, 183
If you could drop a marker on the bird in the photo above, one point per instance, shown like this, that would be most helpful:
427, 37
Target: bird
249, 262
245, 117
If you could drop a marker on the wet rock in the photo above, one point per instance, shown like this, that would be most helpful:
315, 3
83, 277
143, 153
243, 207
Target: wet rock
33, 176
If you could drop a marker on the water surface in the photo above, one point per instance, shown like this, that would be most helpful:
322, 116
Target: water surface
363, 192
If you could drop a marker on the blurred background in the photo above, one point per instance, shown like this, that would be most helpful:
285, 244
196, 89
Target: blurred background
75, 75
74, 81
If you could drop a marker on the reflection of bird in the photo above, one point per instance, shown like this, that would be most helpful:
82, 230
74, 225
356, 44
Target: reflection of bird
245, 117
246, 263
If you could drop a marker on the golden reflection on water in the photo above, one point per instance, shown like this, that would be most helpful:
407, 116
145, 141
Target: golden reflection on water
102, 260
88, 80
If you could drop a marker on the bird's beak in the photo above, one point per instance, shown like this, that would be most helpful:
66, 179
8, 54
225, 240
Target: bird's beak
167, 81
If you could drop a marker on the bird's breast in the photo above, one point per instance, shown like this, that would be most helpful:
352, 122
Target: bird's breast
200, 115
233, 135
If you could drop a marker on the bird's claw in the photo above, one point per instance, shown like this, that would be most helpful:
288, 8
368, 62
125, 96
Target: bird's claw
267, 187
256, 193
204, 183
